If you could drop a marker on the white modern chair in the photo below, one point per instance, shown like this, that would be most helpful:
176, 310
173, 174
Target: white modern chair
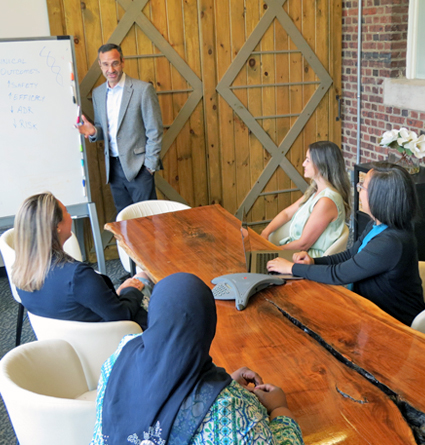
7, 249
419, 321
338, 246
145, 208
94, 342
280, 233
72, 247
46, 394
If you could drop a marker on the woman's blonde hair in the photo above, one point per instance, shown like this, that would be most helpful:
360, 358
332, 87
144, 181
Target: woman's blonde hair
37, 241
328, 160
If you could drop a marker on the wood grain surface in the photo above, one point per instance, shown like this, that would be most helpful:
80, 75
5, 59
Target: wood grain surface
214, 157
205, 241
391, 351
346, 366
332, 403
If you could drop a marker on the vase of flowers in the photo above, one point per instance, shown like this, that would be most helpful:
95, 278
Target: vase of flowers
407, 148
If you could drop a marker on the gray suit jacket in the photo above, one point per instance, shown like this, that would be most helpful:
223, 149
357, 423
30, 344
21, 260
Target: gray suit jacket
139, 135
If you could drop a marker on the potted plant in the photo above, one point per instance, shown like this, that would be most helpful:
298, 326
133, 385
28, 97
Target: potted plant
409, 148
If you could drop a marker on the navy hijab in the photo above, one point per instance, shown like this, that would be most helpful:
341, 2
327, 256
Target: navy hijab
164, 381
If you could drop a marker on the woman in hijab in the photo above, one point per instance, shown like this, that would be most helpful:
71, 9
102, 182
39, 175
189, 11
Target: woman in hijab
161, 387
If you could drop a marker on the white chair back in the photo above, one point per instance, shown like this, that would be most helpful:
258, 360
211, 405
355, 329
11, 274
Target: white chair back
72, 247
46, 394
418, 322
7, 249
145, 208
280, 233
94, 342
338, 246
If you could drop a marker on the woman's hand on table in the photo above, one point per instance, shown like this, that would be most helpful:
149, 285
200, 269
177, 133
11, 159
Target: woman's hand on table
273, 399
302, 258
245, 376
280, 265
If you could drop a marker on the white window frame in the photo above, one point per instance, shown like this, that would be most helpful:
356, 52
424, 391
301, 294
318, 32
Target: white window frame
415, 40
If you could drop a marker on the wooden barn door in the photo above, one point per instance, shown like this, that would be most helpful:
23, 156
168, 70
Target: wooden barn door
244, 87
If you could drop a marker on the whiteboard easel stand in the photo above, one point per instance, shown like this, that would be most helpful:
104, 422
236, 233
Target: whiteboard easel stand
89, 211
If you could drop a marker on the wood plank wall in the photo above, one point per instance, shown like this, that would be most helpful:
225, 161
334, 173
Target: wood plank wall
215, 157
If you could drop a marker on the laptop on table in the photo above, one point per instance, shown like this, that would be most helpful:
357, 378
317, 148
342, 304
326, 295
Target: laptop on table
256, 260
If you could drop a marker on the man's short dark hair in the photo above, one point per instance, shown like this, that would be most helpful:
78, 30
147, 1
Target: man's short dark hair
392, 196
109, 47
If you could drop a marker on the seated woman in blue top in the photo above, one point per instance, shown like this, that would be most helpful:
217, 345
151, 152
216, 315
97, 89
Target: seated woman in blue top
53, 284
317, 218
382, 265
161, 387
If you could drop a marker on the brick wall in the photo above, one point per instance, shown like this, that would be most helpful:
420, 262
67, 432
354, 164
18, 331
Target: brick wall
384, 43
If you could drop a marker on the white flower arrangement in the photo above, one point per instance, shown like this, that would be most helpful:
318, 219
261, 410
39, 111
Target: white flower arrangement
405, 142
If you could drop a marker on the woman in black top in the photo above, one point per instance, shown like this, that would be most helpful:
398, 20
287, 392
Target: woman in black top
52, 284
382, 265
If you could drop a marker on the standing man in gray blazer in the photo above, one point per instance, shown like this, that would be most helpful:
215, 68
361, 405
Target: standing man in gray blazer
128, 118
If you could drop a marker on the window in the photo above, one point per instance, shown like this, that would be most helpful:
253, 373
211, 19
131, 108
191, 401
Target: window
415, 67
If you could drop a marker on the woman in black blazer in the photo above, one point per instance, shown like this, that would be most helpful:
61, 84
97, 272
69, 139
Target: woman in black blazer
53, 284
382, 265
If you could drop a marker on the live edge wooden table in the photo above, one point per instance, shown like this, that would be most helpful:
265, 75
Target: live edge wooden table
352, 373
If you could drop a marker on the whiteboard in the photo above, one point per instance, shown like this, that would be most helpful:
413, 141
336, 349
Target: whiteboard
40, 149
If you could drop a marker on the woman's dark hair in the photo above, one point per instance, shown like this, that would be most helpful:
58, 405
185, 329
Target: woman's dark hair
392, 196
328, 160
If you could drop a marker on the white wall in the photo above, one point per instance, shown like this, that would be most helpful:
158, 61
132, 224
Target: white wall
23, 18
